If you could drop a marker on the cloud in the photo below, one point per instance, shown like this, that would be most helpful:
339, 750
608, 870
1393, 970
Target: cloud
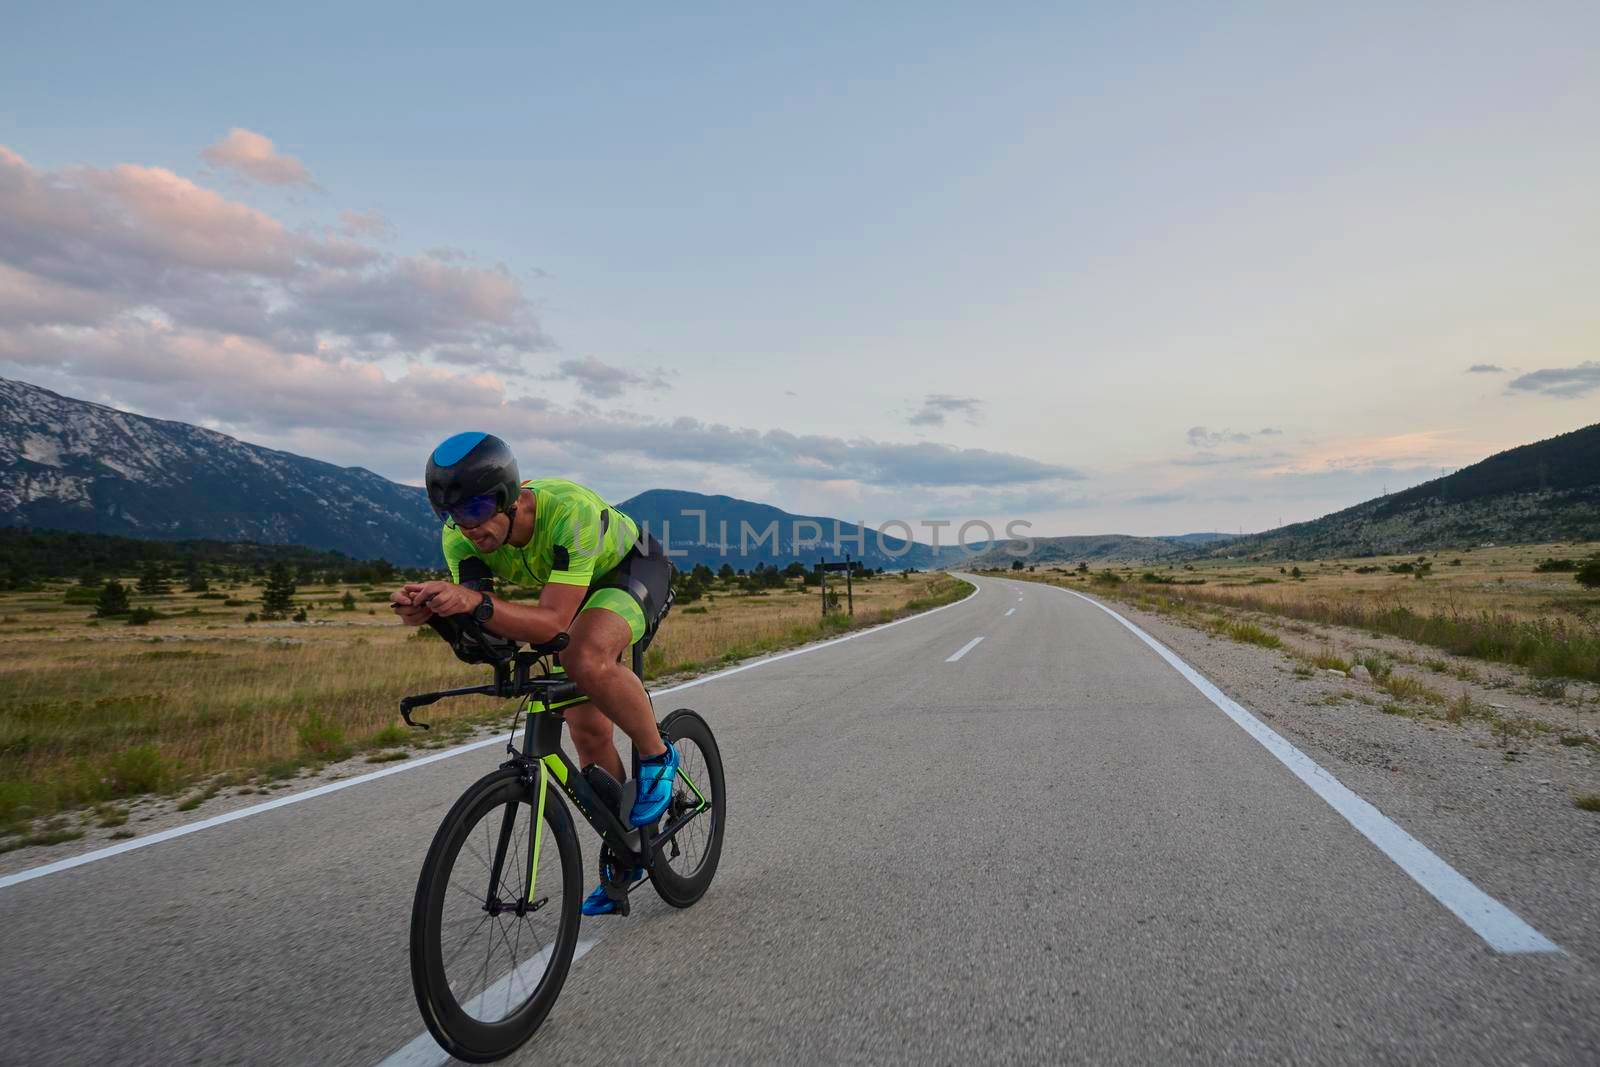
245, 386
1200, 437
1431, 449
1564, 382
1269, 431
604, 381
937, 406
368, 224
1485, 368
141, 288
255, 157
83, 246
1158, 498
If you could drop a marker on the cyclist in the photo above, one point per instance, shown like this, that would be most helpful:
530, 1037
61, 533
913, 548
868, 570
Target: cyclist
600, 582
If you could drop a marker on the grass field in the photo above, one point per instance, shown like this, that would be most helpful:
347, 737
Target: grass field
1487, 603
93, 712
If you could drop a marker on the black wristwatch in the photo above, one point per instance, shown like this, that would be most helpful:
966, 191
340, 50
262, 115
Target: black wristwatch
484, 611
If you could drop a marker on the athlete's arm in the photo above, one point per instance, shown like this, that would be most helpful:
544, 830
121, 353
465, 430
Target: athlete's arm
535, 623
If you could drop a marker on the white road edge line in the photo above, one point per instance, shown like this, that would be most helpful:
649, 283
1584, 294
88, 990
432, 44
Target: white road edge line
109, 851
1500, 927
1010, 612
964, 649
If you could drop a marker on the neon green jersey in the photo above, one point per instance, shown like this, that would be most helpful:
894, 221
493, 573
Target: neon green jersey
577, 537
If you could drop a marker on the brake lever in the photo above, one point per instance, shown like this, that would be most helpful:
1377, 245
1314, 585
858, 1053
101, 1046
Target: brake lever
406, 704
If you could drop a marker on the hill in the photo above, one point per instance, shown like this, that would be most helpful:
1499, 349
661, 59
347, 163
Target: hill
1545, 491
1102, 548
743, 533
78, 466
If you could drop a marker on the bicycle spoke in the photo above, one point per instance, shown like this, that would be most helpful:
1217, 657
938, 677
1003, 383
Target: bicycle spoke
515, 947
463, 942
469, 893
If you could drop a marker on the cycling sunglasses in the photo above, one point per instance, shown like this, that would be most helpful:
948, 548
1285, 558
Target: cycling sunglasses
474, 511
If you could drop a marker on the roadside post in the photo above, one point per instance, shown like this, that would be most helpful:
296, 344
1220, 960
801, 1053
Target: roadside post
823, 567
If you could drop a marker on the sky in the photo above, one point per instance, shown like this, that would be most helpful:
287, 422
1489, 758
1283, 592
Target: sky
1098, 268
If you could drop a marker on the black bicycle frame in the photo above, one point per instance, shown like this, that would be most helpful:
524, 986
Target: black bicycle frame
541, 756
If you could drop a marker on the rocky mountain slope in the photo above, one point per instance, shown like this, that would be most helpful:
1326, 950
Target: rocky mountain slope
73, 465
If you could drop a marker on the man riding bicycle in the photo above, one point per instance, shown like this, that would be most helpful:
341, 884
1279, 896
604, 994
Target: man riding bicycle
599, 581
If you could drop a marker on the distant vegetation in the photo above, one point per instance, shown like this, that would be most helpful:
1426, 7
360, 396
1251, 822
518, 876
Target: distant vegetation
29, 556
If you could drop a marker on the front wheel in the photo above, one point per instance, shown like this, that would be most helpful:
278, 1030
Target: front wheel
685, 865
495, 919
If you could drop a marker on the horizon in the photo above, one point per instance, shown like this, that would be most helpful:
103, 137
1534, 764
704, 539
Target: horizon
839, 520
1134, 271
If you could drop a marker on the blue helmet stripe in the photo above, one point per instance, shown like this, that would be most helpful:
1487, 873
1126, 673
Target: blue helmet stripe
451, 449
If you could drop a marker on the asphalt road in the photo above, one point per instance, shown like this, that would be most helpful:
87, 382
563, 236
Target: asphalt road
1052, 849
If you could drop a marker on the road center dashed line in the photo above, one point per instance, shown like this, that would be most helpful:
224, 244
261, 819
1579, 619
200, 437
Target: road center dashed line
1010, 612
964, 649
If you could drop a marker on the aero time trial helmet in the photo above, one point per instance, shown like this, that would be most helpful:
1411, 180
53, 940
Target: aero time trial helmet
471, 477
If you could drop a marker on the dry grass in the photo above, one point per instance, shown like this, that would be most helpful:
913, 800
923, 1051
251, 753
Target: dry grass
1493, 605
94, 711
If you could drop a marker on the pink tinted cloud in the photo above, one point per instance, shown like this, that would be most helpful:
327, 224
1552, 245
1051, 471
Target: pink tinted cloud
256, 157
83, 243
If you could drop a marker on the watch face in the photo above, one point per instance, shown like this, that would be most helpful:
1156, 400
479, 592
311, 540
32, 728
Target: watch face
483, 610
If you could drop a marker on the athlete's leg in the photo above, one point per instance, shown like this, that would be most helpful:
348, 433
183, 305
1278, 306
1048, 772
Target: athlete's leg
591, 736
598, 637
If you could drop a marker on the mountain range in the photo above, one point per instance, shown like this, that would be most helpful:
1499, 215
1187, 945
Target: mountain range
79, 466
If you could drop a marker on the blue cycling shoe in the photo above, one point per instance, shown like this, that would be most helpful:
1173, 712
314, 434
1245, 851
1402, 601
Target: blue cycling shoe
597, 903
655, 787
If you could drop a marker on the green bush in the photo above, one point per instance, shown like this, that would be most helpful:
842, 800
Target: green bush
140, 769
320, 737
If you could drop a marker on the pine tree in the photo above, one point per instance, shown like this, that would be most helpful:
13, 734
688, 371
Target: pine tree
153, 580
349, 601
113, 600
195, 582
277, 599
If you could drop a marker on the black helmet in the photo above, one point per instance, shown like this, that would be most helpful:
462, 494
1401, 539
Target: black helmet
471, 476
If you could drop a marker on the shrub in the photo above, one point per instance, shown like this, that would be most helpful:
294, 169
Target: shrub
1588, 575
141, 616
140, 769
390, 736
320, 737
153, 580
113, 600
